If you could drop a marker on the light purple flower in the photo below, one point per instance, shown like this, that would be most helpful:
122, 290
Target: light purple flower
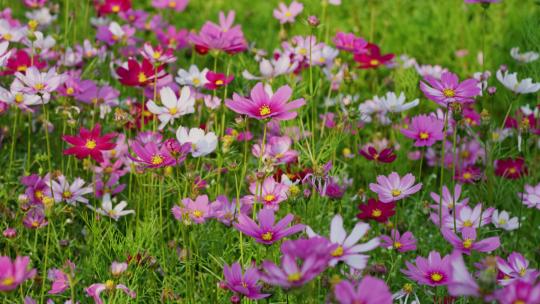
14, 273
369, 290
426, 130
531, 196
468, 243
516, 268
392, 188
243, 283
35, 82
448, 89
60, 281
96, 289
469, 217
197, 211
287, 14
267, 231
277, 149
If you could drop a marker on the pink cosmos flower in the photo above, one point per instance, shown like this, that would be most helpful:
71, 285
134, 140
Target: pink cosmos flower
462, 282
13, 274
217, 80
197, 211
177, 5
468, 243
393, 188
243, 283
516, 268
350, 43
433, 271
96, 289
277, 149
531, 196
89, 143
35, 218
519, 292
34, 3
270, 193
469, 217
448, 89
426, 130
369, 290
117, 268
287, 14
35, 82
226, 211
401, 243
263, 104
151, 155
60, 281
70, 193
172, 37
267, 232
224, 37
157, 55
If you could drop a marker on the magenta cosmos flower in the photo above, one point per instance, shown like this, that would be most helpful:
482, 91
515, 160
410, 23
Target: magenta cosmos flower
89, 143
519, 292
263, 104
245, 284
468, 243
12, 274
399, 242
152, 156
271, 194
515, 268
433, 271
350, 43
448, 89
426, 130
267, 232
393, 188
197, 211
369, 291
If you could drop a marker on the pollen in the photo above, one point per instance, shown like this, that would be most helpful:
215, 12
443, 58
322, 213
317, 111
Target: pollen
172, 4
19, 98
436, 277
288, 14
109, 284
67, 194
90, 144
267, 236
397, 245
264, 110
502, 222
512, 170
39, 86
8, 281
7, 36
142, 77
269, 198
219, 82
156, 55
407, 288
449, 93
157, 160
467, 223
396, 192
374, 62
198, 213
294, 277
467, 243
376, 213
33, 24
173, 111
22, 68
424, 135
116, 8
196, 81
70, 91
467, 175
338, 252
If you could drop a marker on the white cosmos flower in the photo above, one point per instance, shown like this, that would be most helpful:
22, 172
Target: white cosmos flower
272, 68
172, 107
40, 42
193, 77
394, 104
503, 220
36, 82
11, 33
523, 57
20, 99
434, 71
116, 30
4, 52
510, 81
43, 16
201, 143
349, 250
115, 212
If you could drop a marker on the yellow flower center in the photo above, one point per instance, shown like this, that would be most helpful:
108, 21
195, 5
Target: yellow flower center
376, 212
467, 243
8, 281
114, 37
374, 62
519, 302
424, 135
294, 277
264, 110
449, 93
407, 288
38, 194
22, 68
67, 194
172, 4
397, 245
198, 213
436, 277
512, 170
35, 224
157, 159
338, 252
90, 144
39, 86
269, 198
156, 55
467, 175
522, 272
396, 192
467, 223
267, 236
196, 81
109, 284
48, 201
288, 14
33, 24
7, 36
70, 91
219, 82
142, 77
116, 8
173, 111
19, 98
302, 51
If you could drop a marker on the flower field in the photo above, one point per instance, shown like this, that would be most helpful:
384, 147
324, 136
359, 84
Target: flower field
276, 151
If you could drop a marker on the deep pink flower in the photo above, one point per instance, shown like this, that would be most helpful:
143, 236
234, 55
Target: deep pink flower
448, 89
401, 243
263, 104
267, 232
135, 74
370, 290
511, 168
426, 130
60, 281
13, 274
392, 188
151, 155
243, 283
433, 271
224, 37
89, 143
96, 289
386, 155
350, 43
372, 57
217, 80
376, 210
468, 243
112, 6
519, 292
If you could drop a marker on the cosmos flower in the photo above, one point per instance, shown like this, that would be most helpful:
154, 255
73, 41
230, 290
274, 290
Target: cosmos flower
287, 14
519, 292
369, 290
226, 211
197, 210
468, 243
176, 5
531, 196
502, 220
434, 71
152, 155
213, 37
510, 81
469, 217
71, 194
35, 218
462, 282
21, 100
135, 74
349, 42
448, 89
511, 168
246, 284
426, 130
277, 149
157, 55
270, 193
267, 231
395, 104
193, 77
393, 188
202, 143
431, 271
115, 212
376, 210
113, 34
515, 268
89, 143
96, 289
172, 37
173, 107
117, 268
35, 82
20, 61
60, 281
401, 243
349, 250
14, 273
386, 155
215, 80
525, 57
372, 58
263, 104
273, 68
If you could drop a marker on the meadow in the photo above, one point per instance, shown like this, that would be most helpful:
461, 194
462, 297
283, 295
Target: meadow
266, 151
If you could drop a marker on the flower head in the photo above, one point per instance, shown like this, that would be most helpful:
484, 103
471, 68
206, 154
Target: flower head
393, 188
448, 89
89, 143
431, 271
369, 290
400, 242
243, 283
267, 231
14, 273
468, 243
425, 130
376, 210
